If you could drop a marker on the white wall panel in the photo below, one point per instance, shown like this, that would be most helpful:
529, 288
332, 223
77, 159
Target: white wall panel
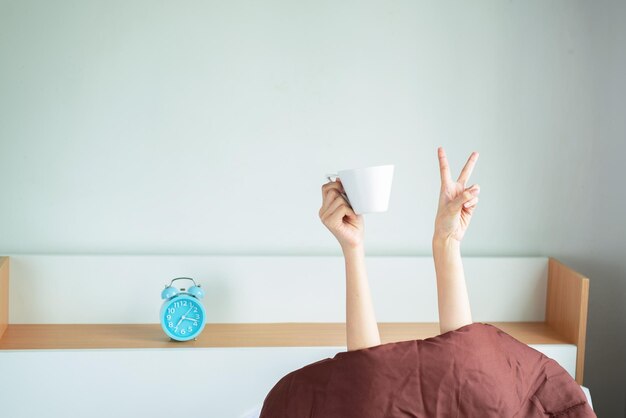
126, 289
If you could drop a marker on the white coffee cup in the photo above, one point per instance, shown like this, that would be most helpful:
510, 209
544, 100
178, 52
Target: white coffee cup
367, 189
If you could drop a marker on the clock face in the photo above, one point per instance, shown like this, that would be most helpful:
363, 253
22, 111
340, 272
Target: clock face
182, 318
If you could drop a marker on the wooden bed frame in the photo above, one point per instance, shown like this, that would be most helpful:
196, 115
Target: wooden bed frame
566, 308
564, 323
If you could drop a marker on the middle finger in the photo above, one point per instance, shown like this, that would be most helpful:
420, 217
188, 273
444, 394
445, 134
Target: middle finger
468, 168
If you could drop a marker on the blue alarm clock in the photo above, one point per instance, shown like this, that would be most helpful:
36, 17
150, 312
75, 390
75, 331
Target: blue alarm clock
182, 315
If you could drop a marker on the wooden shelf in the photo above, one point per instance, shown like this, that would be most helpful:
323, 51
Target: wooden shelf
120, 336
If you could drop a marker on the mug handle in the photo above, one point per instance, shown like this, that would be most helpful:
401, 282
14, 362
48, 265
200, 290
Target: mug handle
328, 176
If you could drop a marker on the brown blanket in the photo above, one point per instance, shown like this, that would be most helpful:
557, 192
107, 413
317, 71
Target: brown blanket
474, 371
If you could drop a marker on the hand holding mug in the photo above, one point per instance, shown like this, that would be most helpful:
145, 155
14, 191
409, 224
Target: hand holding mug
337, 215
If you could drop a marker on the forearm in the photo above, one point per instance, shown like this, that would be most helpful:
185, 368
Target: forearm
361, 325
453, 301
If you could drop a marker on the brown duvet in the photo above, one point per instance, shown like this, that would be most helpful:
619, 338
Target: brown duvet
474, 371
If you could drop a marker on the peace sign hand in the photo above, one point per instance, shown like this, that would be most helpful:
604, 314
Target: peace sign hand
456, 202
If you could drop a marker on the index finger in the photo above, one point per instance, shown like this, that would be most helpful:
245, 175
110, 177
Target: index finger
330, 186
444, 168
467, 169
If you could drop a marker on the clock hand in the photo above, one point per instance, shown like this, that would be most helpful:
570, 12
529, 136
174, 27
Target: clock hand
181, 320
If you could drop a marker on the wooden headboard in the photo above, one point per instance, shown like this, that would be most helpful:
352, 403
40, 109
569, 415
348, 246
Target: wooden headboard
4, 294
566, 308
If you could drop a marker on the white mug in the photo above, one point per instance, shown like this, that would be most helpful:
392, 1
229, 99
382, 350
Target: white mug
367, 189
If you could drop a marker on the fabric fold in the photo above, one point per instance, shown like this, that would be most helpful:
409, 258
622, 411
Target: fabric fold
475, 371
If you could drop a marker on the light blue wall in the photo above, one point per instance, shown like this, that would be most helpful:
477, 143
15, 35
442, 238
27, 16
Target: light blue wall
161, 127
206, 127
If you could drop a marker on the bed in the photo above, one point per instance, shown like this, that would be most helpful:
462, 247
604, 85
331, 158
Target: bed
80, 331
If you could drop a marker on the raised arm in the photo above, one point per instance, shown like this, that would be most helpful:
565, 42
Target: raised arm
348, 228
454, 213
